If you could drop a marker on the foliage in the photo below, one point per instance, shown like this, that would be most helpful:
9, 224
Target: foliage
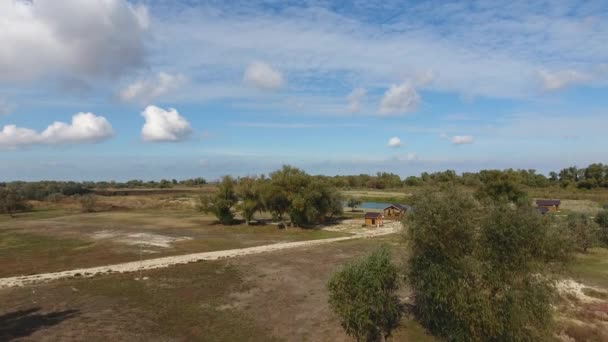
220, 204
88, 203
500, 188
602, 221
475, 271
307, 199
583, 230
362, 294
11, 201
353, 203
248, 190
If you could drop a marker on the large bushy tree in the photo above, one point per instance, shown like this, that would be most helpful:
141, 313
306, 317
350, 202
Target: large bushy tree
308, 200
363, 295
11, 201
478, 272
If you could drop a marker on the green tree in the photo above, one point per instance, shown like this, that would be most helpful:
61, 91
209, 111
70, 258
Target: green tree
601, 219
502, 188
250, 195
363, 295
220, 204
582, 230
353, 203
12, 202
474, 271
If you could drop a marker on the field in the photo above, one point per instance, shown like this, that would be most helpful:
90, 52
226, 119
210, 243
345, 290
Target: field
273, 296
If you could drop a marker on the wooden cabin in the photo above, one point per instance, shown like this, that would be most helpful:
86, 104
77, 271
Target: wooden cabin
394, 211
550, 205
373, 219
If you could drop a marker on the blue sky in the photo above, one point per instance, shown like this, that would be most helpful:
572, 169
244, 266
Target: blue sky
111, 89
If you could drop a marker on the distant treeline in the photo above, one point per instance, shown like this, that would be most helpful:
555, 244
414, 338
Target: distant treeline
53, 189
593, 176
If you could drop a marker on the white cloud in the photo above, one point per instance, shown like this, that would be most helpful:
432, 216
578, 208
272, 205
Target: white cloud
399, 99
561, 79
84, 128
71, 37
354, 99
164, 125
462, 139
394, 142
148, 90
263, 76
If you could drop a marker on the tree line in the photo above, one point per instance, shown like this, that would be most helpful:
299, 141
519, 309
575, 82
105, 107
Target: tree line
592, 176
43, 189
306, 199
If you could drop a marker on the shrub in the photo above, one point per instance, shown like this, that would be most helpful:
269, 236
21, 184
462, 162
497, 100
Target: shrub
602, 221
55, 197
582, 230
362, 294
222, 202
88, 203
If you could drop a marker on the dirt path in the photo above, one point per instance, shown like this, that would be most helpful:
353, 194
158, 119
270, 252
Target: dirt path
135, 266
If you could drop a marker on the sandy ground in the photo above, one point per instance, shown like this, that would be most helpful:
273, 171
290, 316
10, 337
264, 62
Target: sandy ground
350, 226
142, 239
572, 287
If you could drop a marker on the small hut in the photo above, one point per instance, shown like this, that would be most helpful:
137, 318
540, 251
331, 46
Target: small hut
373, 219
394, 211
550, 205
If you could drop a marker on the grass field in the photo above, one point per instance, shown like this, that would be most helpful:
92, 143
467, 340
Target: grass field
54, 240
274, 296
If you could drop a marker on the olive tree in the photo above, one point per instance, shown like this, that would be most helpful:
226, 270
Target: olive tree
249, 193
479, 272
362, 294
220, 204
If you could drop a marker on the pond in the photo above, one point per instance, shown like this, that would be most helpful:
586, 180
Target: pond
376, 205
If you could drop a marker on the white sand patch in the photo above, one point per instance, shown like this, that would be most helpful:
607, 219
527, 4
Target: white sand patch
139, 239
569, 286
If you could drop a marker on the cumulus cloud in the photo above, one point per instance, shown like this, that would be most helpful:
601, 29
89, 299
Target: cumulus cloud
84, 128
164, 125
399, 99
150, 89
461, 139
354, 99
71, 37
394, 142
561, 79
263, 76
